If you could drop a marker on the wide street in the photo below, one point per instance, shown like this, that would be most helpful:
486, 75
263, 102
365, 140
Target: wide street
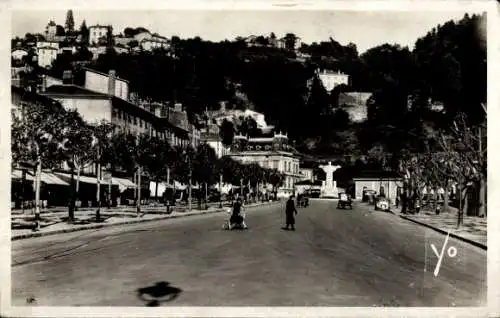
334, 258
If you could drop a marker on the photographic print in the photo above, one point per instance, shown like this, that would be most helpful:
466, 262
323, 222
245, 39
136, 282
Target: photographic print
246, 157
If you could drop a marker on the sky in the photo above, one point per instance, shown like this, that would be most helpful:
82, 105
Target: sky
366, 29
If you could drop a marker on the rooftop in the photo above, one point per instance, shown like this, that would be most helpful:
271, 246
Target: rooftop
73, 90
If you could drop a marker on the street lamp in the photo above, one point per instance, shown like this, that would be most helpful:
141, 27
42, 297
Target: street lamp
190, 176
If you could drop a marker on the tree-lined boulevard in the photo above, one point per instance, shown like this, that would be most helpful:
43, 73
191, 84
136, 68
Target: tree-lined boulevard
45, 137
423, 133
335, 258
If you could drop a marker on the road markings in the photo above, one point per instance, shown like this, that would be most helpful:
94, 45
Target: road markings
452, 252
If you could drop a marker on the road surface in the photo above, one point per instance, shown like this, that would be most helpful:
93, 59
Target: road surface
334, 258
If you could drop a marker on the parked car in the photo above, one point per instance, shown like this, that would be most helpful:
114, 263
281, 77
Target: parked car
368, 196
382, 203
344, 201
312, 193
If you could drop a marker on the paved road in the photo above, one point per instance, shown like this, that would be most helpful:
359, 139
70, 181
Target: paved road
335, 258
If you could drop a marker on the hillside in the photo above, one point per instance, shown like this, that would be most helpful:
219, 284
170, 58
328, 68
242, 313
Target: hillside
447, 65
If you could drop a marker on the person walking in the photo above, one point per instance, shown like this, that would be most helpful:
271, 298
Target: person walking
290, 212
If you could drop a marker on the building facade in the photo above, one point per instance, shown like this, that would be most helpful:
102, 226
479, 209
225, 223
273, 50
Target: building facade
152, 44
51, 30
106, 83
388, 182
307, 174
47, 56
331, 79
100, 34
272, 153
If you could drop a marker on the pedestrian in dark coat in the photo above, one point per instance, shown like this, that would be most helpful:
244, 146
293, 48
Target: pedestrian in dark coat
290, 212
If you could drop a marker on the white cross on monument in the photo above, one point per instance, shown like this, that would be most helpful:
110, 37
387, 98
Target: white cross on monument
329, 188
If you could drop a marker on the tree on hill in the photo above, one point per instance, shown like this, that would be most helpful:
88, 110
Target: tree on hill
70, 22
226, 131
131, 32
84, 33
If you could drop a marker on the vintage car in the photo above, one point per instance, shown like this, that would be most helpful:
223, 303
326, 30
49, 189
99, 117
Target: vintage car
344, 201
369, 196
382, 203
312, 193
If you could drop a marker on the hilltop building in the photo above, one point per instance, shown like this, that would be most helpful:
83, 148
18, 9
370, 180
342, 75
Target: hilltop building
332, 79
100, 34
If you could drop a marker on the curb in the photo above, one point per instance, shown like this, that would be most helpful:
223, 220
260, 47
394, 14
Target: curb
98, 226
463, 239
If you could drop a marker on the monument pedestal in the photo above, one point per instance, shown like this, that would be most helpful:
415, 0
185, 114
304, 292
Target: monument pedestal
329, 187
330, 193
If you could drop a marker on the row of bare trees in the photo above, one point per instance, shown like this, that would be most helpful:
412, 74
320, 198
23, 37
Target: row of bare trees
458, 158
45, 135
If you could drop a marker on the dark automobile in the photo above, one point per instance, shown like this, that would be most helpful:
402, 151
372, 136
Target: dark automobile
382, 203
369, 196
344, 201
312, 193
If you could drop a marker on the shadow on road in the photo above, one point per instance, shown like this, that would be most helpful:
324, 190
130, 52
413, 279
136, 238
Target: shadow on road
160, 292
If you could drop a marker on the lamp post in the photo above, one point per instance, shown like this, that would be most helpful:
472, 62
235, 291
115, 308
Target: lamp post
190, 176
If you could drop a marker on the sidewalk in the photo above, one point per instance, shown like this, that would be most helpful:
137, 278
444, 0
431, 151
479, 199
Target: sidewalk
473, 230
54, 222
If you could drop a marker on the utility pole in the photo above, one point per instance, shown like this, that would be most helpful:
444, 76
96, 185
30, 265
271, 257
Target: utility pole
98, 193
139, 188
189, 184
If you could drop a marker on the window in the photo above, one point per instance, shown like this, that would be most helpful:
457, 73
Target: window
258, 147
135, 120
268, 147
141, 123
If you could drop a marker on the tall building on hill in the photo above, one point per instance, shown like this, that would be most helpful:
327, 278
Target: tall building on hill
331, 79
50, 30
271, 152
100, 34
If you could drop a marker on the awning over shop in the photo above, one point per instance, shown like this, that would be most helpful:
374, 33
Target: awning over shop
50, 178
92, 180
179, 186
162, 186
18, 174
123, 184
46, 177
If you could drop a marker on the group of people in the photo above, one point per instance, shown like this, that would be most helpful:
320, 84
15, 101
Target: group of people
237, 218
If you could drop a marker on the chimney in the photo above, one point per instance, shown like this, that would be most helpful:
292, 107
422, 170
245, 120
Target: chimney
111, 82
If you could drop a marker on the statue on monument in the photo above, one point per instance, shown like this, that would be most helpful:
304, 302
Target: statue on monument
329, 187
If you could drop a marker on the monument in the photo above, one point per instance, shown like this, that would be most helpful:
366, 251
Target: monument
329, 187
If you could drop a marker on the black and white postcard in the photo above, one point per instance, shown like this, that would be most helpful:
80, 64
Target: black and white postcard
249, 159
